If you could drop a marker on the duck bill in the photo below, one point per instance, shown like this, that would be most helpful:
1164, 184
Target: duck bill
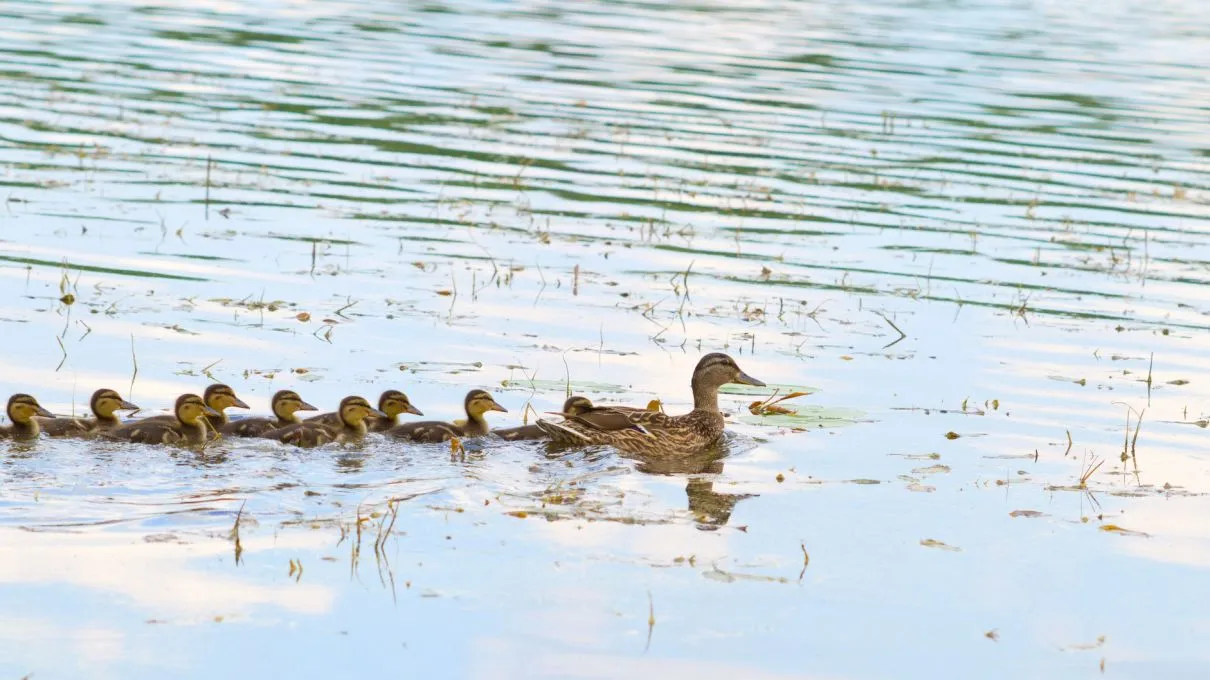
304, 406
239, 403
211, 412
413, 410
44, 413
497, 407
378, 414
745, 379
127, 406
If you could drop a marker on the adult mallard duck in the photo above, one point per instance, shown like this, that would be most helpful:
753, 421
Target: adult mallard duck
476, 404
574, 405
219, 398
188, 425
21, 411
658, 433
105, 404
353, 413
284, 404
391, 402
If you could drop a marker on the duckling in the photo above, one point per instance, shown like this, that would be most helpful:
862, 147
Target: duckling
574, 405
105, 404
477, 403
21, 410
189, 425
658, 433
218, 397
353, 413
391, 402
285, 403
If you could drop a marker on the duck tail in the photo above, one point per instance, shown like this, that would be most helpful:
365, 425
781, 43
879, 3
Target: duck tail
561, 434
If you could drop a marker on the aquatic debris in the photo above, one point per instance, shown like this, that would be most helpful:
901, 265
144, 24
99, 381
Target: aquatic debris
952, 435
1026, 513
1085, 646
993, 635
932, 470
931, 543
770, 406
1113, 528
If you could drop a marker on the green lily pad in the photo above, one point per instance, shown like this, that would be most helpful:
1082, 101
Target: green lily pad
765, 391
807, 417
577, 386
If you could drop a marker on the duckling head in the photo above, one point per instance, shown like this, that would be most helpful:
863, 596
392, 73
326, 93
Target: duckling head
353, 410
22, 407
105, 402
190, 409
479, 402
576, 405
220, 397
286, 402
394, 402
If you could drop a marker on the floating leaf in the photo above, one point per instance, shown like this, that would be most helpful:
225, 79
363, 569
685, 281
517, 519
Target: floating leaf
930, 543
932, 470
767, 390
952, 435
807, 417
1122, 530
1026, 513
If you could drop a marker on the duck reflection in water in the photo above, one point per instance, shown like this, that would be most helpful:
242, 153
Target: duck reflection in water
711, 508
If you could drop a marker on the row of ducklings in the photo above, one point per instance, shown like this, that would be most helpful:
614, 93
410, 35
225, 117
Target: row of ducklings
197, 419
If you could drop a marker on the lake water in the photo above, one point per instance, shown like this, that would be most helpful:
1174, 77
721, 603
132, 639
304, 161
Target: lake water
345, 197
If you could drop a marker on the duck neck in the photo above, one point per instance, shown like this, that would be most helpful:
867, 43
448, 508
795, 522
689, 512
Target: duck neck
475, 424
106, 417
705, 397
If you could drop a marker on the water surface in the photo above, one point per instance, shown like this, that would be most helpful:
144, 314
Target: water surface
975, 231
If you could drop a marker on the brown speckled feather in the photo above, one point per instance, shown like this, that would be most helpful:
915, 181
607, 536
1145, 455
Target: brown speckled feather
253, 427
430, 431
652, 432
176, 432
309, 433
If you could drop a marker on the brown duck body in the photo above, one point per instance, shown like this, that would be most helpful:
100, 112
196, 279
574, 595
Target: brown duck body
309, 433
188, 425
104, 404
253, 427
477, 403
573, 406
652, 432
285, 405
218, 397
161, 432
392, 403
316, 432
78, 427
21, 431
